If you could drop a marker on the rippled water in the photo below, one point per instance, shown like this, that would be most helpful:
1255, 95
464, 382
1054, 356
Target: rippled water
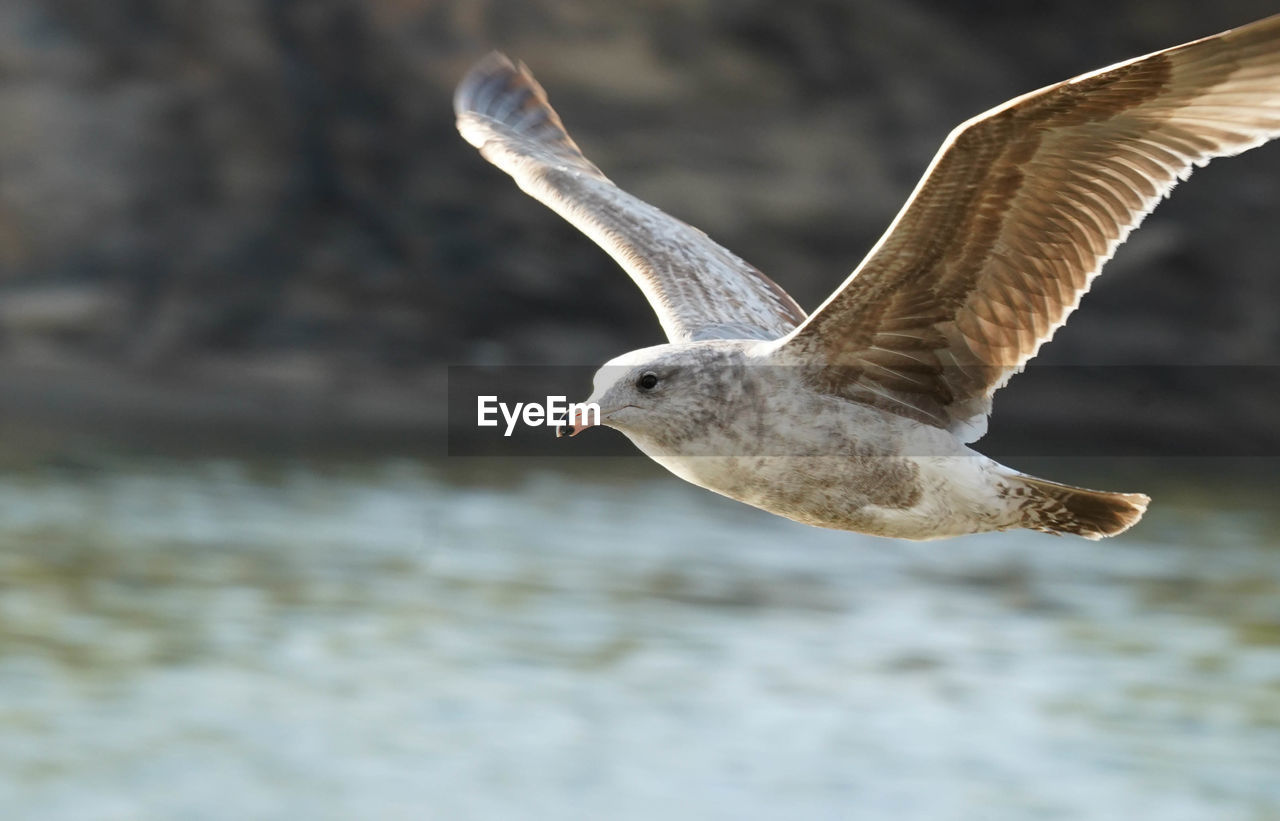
220, 639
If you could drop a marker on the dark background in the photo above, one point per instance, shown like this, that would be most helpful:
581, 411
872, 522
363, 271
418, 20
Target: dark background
256, 217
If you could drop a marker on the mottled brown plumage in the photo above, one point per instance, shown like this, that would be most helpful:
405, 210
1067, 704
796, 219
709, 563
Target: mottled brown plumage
1017, 214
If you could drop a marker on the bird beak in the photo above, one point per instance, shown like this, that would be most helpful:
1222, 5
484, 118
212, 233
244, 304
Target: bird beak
577, 424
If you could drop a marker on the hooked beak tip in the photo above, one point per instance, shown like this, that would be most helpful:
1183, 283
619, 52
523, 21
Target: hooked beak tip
574, 426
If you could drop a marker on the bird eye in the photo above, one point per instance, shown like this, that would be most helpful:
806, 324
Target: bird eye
647, 381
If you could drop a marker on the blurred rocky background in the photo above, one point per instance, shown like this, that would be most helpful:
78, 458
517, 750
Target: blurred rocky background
256, 215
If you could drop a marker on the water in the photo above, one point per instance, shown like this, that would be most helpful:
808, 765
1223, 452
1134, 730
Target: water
397, 639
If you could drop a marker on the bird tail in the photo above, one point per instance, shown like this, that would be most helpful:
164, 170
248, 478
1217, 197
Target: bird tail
1054, 508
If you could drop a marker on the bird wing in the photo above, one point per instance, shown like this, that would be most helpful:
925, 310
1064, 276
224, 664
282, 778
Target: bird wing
698, 289
1016, 215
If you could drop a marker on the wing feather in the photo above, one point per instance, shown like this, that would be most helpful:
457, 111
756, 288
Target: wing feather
698, 289
1017, 214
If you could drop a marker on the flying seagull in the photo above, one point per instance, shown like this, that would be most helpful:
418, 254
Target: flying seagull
857, 416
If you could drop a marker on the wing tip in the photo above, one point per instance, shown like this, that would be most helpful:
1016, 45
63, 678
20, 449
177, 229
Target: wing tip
499, 95
481, 76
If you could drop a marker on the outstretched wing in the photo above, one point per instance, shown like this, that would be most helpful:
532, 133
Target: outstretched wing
1017, 214
698, 289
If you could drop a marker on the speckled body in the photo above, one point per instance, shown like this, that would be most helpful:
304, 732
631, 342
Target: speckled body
728, 419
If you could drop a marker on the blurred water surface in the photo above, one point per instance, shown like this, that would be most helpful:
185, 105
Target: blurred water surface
408, 639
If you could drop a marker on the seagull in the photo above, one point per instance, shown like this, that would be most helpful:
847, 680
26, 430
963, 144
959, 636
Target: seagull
859, 416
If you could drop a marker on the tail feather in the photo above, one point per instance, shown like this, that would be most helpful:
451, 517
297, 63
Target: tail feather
1093, 514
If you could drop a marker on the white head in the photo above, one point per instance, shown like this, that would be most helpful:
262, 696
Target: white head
667, 393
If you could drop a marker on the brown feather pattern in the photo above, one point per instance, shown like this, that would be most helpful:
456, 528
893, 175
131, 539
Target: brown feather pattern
1016, 215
